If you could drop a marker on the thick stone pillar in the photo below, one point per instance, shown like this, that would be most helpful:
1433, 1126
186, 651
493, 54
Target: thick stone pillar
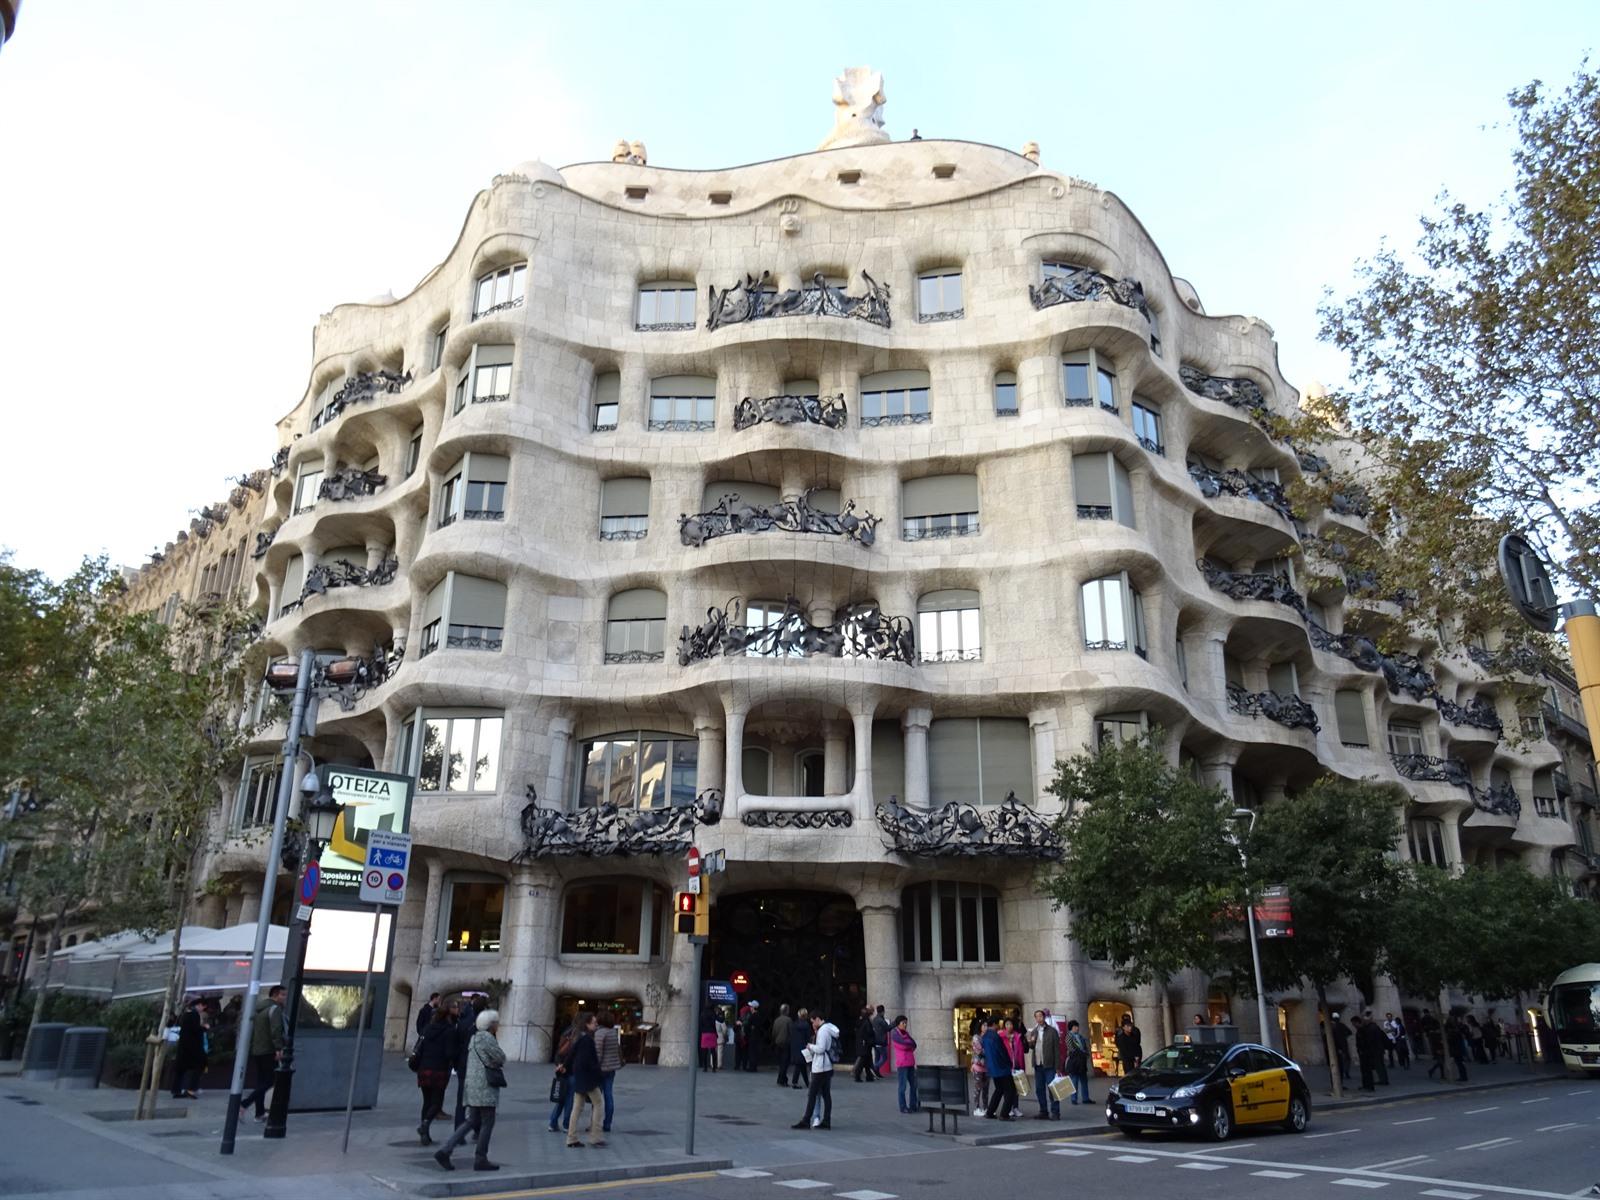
733, 758
835, 758
880, 931
250, 903
863, 783
914, 726
555, 779
1452, 840
1042, 722
532, 901
428, 942
708, 758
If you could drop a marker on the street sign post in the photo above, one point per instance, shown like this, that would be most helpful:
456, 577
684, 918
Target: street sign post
383, 884
715, 863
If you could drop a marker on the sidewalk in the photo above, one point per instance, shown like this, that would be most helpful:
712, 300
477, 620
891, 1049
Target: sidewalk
743, 1120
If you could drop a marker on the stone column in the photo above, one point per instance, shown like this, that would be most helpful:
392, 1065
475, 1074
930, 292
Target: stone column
532, 901
1217, 770
733, 771
377, 551
250, 903
428, 942
863, 781
1452, 840
708, 760
1042, 722
835, 758
555, 779
914, 726
880, 931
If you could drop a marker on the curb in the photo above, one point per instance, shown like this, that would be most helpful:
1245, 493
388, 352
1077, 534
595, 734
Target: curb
476, 1184
1324, 1105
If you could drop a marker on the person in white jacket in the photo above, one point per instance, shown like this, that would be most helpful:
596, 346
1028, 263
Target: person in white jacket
820, 1056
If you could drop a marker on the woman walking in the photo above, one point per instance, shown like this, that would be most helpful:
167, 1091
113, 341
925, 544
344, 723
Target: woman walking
903, 1061
561, 1110
484, 1079
608, 1047
191, 1059
980, 1073
799, 1039
1017, 1047
436, 1051
708, 1038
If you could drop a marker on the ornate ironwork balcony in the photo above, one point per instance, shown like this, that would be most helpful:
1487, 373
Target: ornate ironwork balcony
1478, 715
1289, 711
349, 679
603, 427
1311, 464
1500, 799
611, 832
1429, 768
821, 818
263, 541
484, 641
1243, 394
359, 388
754, 300
280, 461
949, 656
863, 632
680, 426
324, 577
623, 534
1150, 444
350, 483
1008, 830
827, 411
1084, 283
1509, 659
949, 314
1352, 502
492, 398
1234, 482
614, 657
1094, 512
922, 529
1238, 585
792, 514
663, 326
503, 306
896, 419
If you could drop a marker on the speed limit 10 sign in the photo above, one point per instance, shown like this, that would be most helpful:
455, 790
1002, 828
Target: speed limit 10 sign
383, 877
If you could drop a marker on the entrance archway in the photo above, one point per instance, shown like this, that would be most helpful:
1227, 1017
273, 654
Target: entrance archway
799, 948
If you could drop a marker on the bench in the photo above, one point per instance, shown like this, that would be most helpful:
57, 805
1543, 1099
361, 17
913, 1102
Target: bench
943, 1090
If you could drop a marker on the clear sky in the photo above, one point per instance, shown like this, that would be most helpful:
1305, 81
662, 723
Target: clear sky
185, 186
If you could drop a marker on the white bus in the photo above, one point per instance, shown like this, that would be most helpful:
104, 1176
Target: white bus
1573, 1008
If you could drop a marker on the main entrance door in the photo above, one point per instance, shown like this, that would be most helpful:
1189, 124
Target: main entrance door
803, 949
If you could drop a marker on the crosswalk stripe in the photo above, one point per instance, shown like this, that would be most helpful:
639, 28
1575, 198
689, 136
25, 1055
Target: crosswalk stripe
1449, 1194
865, 1194
745, 1173
1202, 1166
1131, 1158
1278, 1174
801, 1185
1071, 1153
1362, 1183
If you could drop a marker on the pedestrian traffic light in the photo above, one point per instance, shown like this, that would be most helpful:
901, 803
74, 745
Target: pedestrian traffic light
686, 912
692, 913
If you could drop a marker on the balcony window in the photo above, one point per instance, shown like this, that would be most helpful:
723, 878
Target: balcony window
472, 612
636, 626
477, 491
475, 910
613, 919
499, 290
947, 924
436, 347
306, 488
1425, 837
1120, 728
896, 398
1351, 713
948, 628
665, 306
1147, 427
638, 769
939, 506
683, 403
764, 614
1102, 489
939, 296
979, 760
624, 509
1180, 658
458, 753
487, 377
1005, 394
1087, 378
607, 396
1113, 616
1283, 679
1405, 738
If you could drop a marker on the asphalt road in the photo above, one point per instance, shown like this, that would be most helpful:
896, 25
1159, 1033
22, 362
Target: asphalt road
1541, 1141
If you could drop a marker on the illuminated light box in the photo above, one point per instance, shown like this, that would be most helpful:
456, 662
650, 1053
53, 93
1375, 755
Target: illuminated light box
340, 939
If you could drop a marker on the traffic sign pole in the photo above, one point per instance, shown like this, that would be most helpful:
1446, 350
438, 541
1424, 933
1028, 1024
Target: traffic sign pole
699, 944
362, 1017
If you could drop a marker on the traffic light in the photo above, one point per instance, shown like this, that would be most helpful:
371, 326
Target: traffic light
692, 914
686, 912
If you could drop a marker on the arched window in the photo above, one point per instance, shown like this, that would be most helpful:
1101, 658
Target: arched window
948, 626
614, 919
499, 290
950, 924
636, 626
638, 769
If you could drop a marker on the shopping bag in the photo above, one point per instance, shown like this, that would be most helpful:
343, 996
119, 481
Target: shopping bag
1024, 1086
1061, 1087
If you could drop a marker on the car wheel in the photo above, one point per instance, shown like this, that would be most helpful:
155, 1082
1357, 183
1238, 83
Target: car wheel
1299, 1115
1219, 1123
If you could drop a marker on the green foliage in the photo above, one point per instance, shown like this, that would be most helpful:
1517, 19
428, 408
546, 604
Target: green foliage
1149, 871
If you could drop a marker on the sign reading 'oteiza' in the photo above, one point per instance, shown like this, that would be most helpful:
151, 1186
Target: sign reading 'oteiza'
368, 801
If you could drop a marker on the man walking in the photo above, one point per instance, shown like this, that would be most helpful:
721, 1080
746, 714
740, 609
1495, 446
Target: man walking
755, 1033
1341, 1047
266, 1047
820, 1054
880, 1040
1395, 1030
1435, 1039
1369, 1051
582, 1063
866, 1042
997, 1060
466, 1029
1078, 1063
1130, 1044
1044, 1047
780, 1043
425, 1013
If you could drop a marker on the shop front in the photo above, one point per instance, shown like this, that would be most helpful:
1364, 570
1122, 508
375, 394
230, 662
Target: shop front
1104, 1018
966, 1021
641, 1039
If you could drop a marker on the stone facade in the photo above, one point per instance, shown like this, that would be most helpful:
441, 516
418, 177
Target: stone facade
989, 327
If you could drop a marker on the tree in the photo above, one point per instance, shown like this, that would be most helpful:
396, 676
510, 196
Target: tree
1475, 377
1331, 846
1149, 872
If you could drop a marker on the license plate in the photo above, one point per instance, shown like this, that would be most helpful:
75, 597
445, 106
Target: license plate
1144, 1110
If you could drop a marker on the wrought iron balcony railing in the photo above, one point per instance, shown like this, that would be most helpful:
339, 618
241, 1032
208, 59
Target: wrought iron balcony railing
1480, 714
325, 577
948, 656
263, 541
614, 657
1289, 711
1150, 444
625, 529
827, 411
755, 300
815, 818
1429, 768
943, 525
913, 418
1501, 799
1009, 829
350, 483
1243, 394
792, 514
1094, 512
1559, 722
655, 426
948, 314
1085, 283
607, 831
359, 388
1233, 482
863, 632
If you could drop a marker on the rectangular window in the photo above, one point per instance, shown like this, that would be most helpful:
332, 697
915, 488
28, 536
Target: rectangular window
1283, 679
436, 347
906, 407
459, 754
1425, 836
485, 501
1113, 616
1180, 656
636, 639
950, 924
1119, 728
624, 509
475, 911
1075, 378
305, 492
607, 396
1005, 394
1351, 713
1106, 389
450, 500
665, 306
1405, 737
258, 794
1087, 378
414, 453
1102, 489
1147, 428
499, 290
939, 296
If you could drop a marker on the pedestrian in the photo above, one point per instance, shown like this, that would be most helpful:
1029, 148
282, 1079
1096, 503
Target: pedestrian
780, 1043
1130, 1045
1395, 1031
1078, 1063
821, 1053
1017, 1048
725, 1038
1341, 1047
865, 1042
799, 1038
561, 1110
880, 1040
466, 1029
708, 1038
425, 1013
1491, 1036
902, 1057
1379, 1067
1044, 1049
1222, 1018
485, 1076
582, 1065
1455, 1041
1474, 1033
608, 1045
436, 1055
1002, 1087
266, 1048
980, 1069
755, 1034
1434, 1036
1369, 1051
1198, 1020
190, 1062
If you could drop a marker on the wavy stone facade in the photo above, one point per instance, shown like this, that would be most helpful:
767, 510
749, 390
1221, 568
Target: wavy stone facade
969, 336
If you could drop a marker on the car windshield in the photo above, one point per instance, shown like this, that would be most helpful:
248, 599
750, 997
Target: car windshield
1184, 1058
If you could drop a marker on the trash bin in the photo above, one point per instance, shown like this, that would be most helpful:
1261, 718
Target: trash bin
43, 1057
83, 1053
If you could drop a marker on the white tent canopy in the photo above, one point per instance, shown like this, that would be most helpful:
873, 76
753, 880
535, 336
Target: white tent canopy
126, 965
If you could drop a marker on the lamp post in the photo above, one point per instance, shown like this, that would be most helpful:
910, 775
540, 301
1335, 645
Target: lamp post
320, 817
1248, 815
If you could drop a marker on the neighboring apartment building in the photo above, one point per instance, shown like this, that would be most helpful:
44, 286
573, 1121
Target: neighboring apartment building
817, 495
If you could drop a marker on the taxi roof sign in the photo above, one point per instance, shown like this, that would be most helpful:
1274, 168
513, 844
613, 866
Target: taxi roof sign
1208, 1035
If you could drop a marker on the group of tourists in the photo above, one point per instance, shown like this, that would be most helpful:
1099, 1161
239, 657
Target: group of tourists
1380, 1045
1048, 1059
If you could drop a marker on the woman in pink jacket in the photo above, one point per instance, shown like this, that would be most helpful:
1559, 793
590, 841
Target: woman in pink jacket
1017, 1047
903, 1058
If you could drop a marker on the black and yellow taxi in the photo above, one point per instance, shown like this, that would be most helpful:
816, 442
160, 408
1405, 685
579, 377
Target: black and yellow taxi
1209, 1087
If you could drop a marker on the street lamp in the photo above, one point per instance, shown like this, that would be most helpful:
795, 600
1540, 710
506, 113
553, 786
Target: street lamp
1248, 815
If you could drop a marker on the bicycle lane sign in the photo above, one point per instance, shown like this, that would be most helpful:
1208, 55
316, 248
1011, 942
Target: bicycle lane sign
383, 877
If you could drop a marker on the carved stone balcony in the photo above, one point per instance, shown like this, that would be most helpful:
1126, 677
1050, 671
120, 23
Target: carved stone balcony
1289, 711
1501, 799
792, 514
1085, 283
1234, 482
611, 832
827, 411
350, 483
754, 300
1243, 394
862, 632
1008, 830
